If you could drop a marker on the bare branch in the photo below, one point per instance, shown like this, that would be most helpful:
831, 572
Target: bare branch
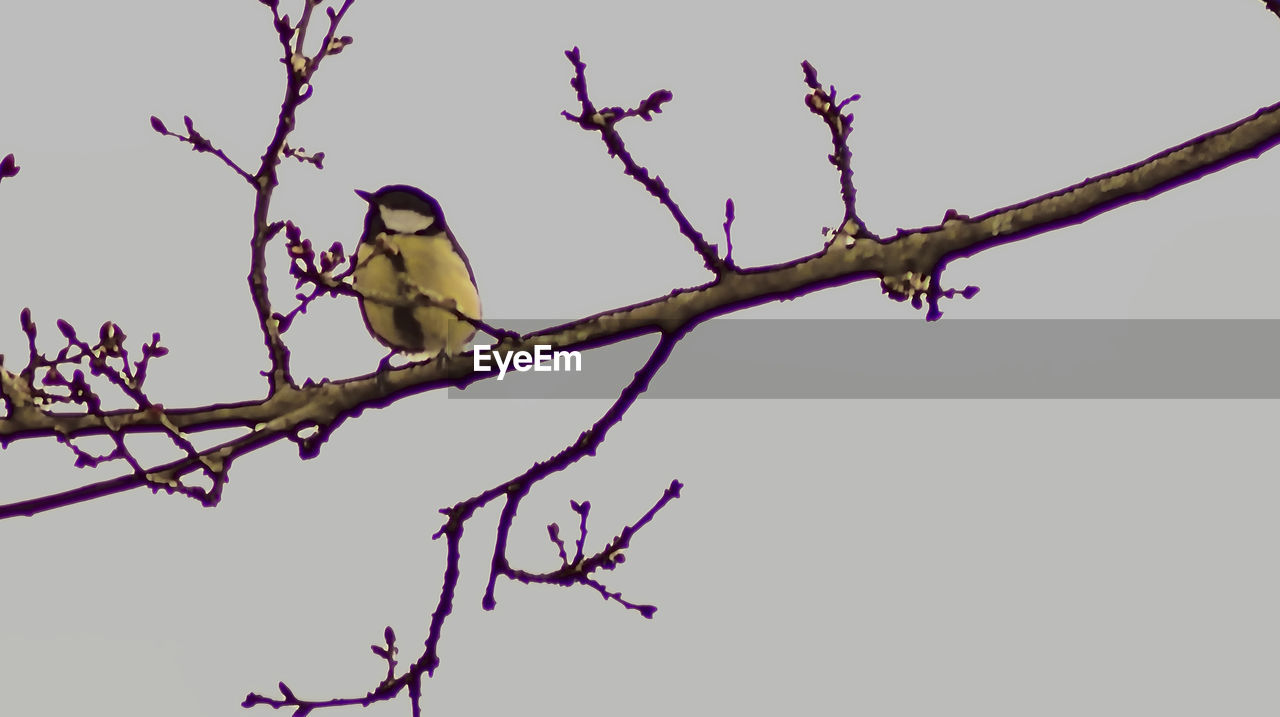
728, 230
300, 154
199, 144
915, 258
516, 488
457, 516
298, 71
579, 570
604, 122
829, 107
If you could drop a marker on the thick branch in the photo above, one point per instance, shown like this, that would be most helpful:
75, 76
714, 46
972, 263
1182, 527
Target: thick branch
920, 252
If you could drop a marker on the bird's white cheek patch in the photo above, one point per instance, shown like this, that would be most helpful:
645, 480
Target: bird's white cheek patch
404, 221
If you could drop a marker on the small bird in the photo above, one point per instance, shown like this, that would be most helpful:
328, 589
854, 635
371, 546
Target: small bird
407, 252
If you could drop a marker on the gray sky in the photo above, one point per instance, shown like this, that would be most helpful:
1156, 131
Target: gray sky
889, 557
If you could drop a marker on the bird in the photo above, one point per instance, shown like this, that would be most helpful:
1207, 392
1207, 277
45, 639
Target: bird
408, 252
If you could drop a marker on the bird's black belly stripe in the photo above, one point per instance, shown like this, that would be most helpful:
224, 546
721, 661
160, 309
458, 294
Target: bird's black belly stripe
409, 328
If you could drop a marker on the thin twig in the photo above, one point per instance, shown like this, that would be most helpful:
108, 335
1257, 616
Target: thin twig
605, 121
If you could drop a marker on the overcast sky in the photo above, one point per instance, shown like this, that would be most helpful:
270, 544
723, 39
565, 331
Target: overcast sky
879, 557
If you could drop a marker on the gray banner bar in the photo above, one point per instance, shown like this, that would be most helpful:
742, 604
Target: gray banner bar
737, 358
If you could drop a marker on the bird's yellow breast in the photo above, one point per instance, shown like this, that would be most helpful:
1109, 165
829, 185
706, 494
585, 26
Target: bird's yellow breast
417, 263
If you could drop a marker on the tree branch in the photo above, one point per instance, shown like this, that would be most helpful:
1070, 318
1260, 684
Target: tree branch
912, 261
604, 121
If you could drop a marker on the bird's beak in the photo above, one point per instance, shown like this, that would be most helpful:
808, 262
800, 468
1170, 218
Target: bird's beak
367, 196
